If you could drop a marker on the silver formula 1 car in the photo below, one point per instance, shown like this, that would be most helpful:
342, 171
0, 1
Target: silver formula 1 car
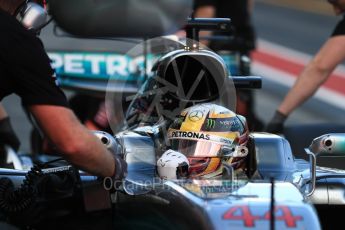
282, 192
287, 193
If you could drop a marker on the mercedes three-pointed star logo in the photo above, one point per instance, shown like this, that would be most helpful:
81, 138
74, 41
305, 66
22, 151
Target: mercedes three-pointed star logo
196, 115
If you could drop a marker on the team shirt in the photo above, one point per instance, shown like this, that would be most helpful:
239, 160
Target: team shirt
25, 67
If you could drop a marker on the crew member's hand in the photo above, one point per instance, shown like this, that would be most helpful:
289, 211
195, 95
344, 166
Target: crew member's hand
276, 124
7, 134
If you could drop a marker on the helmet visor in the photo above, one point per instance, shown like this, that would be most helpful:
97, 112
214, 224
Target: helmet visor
193, 148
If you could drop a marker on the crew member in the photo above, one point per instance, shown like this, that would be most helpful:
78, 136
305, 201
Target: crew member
315, 73
239, 11
25, 70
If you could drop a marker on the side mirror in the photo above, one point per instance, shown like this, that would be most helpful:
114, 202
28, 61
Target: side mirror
328, 145
109, 142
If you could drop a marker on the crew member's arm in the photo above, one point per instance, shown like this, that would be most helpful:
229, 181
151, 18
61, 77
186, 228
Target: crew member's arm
203, 11
208, 11
3, 113
77, 144
315, 74
319, 69
250, 6
34, 81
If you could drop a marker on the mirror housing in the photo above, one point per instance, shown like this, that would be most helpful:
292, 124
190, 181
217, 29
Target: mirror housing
329, 145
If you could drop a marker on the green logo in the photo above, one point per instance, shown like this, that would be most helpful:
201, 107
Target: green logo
210, 123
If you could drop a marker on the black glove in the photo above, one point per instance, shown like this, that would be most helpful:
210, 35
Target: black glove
7, 134
276, 125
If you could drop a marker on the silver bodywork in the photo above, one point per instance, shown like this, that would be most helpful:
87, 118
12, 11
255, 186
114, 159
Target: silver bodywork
215, 200
33, 16
220, 204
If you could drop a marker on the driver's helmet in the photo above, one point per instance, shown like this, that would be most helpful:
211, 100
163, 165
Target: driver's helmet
213, 138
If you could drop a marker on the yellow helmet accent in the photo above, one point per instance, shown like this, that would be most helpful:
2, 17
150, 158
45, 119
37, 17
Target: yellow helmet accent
209, 135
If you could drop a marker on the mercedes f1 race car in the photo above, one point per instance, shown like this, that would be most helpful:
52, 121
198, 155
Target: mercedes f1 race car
243, 181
